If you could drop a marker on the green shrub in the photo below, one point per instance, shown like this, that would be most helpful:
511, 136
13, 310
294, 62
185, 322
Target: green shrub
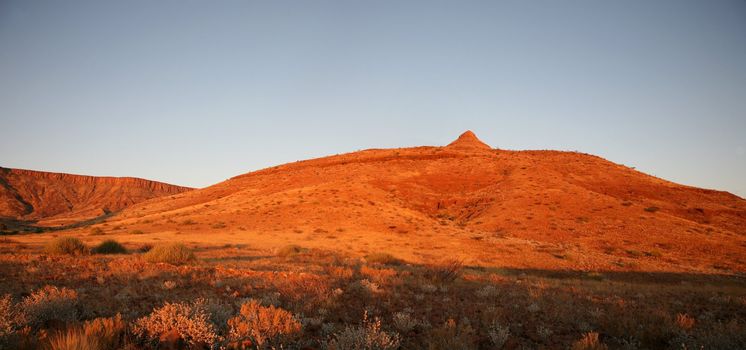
382, 258
172, 253
66, 245
109, 246
290, 250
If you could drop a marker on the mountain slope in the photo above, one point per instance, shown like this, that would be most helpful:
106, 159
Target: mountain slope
487, 206
59, 199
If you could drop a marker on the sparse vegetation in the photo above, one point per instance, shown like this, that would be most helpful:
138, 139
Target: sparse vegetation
66, 245
137, 232
97, 231
172, 253
109, 246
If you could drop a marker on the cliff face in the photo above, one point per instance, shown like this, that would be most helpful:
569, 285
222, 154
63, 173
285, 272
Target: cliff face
38, 195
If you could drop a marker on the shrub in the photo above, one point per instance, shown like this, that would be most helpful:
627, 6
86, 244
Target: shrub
172, 253
589, 341
290, 250
109, 332
66, 245
49, 303
97, 231
181, 322
109, 246
73, 339
367, 336
136, 232
382, 258
262, 326
652, 209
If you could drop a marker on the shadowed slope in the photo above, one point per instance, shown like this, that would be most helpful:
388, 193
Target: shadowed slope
543, 209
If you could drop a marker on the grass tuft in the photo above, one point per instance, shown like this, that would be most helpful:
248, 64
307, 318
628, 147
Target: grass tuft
171, 253
66, 246
109, 246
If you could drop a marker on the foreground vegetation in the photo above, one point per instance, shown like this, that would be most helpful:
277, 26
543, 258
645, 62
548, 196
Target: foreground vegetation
234, 297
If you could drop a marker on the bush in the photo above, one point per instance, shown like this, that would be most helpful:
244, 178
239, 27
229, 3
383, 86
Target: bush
181, 323
367, 336
109, 246
290, 250
382, 258
97, 231
262, 327
49, 303
172, 253
66, 245
136, 232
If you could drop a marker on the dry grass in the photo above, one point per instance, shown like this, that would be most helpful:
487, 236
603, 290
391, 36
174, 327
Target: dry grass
290, 250
171, 253
74, 339
382, 258
66, 245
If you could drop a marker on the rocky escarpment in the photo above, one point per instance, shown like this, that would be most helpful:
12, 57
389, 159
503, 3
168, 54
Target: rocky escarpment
38, 195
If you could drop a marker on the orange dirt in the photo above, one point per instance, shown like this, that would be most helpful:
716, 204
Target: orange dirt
490, 207
52, 199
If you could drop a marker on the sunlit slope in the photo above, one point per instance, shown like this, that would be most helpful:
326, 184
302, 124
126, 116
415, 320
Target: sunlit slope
489, 206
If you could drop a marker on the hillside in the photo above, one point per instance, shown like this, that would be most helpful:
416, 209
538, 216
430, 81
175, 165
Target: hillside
490, 207
53, 199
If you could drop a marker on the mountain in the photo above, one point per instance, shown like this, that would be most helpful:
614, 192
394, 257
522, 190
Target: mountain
543, 209
54, 199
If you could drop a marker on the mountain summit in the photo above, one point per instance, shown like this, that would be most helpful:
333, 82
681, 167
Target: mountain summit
469, 140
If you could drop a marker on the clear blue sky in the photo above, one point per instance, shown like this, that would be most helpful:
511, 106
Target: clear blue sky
194, 92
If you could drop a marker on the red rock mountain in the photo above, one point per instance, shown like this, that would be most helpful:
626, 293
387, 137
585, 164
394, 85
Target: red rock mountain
546, 209
57, 198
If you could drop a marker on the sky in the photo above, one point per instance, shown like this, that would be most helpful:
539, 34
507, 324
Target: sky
195, 92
